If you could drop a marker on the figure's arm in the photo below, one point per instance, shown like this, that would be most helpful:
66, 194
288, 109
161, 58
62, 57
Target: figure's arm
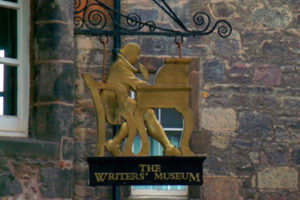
144, 71
133, 82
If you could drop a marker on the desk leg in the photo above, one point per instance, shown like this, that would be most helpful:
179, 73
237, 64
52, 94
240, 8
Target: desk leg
188, 117
131, 135
145, 149
137, 125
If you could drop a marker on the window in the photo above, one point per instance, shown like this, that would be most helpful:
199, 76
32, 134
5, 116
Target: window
14, 67
172, 123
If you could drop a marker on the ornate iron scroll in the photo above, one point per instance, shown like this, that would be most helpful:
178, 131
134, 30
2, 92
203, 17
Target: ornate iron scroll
94, 16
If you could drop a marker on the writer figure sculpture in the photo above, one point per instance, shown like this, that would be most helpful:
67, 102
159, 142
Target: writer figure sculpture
122, 76
116, 106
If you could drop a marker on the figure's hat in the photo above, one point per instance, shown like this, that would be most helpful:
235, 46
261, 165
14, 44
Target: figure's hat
130, 49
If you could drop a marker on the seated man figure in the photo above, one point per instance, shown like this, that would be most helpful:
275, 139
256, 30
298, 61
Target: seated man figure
122, 74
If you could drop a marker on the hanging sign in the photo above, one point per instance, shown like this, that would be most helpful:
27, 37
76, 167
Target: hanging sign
136, 116
153, 170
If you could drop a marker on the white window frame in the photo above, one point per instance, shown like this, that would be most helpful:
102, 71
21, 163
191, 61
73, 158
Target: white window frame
17, 126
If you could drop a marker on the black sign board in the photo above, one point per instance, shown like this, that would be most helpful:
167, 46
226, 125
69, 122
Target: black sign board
153, 170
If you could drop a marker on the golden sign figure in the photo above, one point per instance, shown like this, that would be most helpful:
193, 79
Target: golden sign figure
114, 105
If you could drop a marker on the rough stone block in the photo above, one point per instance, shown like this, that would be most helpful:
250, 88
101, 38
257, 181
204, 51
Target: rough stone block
296, 156
154, 46
9, 184
81, 172
53, 10
200, 142
267, 75
82, 91
278, 195
261, 101
278, 178
152, 62
29, 148
67, 148
195, 97
220, 141
240, 73
106, 192
277, 154
84, 191
214, 71
218, 119
221, 188
56, 183
269, 48
55, 82
92, 57
272, 17
146, 14
227, 48
84, 135
223, 9
291, 79
54, 41
85, 114
85, 42
219, 99
51, 122
292, 103
255, 124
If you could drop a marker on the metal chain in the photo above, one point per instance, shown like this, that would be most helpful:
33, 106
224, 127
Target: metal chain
179, 43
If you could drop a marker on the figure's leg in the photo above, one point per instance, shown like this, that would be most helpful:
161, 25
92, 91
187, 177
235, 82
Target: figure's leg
128, 115
145, 144
188, 117
114, 145
131, 135
157, 132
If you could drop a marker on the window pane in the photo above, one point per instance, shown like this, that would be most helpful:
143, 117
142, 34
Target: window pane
8, 32
15, 1
170, 118
174, 137
1, 105
10, 91
1, 76
136, 145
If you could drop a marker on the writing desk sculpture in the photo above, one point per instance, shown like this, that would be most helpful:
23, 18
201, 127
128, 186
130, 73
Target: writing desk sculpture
171, 90
114, 104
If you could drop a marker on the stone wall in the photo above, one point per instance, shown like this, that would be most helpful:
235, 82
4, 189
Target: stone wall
249, 95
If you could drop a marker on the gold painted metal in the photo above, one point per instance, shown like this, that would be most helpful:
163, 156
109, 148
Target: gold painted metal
113, 104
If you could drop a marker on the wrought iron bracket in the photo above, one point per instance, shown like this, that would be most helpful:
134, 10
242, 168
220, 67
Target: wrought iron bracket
92, 19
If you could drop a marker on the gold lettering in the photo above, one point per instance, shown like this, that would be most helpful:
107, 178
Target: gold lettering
121, 176
177, 176
194, 178
142, 177
185, 176
150, 168
130, 176
157, 168
100, 177
112, 177
158, 176
172, 176
142, 166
